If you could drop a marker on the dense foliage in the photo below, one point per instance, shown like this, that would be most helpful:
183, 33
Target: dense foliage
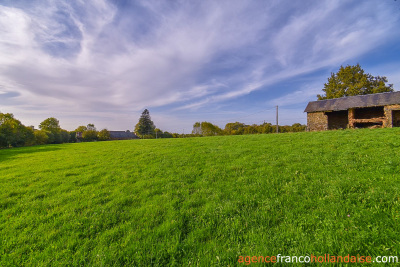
104, 135
14, 134
352, 80
238, 128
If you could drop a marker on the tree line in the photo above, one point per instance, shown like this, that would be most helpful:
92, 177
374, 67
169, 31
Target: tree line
146, 129
14, 134
237, 128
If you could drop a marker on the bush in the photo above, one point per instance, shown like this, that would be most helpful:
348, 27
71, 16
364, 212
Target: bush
89, 135
64, 136
104, 135
41, 137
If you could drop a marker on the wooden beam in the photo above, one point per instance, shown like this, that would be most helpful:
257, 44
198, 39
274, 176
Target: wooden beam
372, 120
351, 117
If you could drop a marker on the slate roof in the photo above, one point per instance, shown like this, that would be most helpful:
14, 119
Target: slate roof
122, 135
358, 101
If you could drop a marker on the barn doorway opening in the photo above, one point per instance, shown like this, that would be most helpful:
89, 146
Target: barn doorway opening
396, 118
369, 113
337, 119
371, 117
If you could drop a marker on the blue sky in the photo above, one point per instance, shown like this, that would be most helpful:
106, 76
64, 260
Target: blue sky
105, 61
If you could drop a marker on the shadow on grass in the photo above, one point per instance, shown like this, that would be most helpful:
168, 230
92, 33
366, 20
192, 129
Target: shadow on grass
9, 153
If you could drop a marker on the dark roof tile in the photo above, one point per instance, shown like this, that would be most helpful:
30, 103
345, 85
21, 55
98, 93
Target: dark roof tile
122, 135
358, 101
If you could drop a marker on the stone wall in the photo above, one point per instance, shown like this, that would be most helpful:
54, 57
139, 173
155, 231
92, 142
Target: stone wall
317, 121
392, 116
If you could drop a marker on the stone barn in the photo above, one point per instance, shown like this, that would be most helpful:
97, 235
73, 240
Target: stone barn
361, 111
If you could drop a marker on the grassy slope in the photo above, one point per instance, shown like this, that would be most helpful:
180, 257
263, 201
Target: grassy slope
201, 200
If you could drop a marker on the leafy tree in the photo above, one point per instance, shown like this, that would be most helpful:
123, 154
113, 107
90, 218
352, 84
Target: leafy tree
51, 125
159, 133
167, 135
234, 128
41, 137
297, 127
91, 127
65, 137
145, 126
81, 129
206, 129
89, 135
266, 128
104, 135
29, 136
13, 133
196, 129
72, 137
251, 129
352, 80
52, 128
51, 137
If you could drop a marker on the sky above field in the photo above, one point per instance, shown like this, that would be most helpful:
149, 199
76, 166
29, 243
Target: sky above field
104, 62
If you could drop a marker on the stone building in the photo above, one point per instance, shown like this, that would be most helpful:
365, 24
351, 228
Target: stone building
361, 111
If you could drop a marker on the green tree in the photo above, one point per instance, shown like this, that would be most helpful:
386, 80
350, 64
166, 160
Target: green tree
159, 133
104, 135
167, 135
81, 129
297, 127
206, 129
51, 125
41, 137
266, 127
65, 137
196, 128
352, 80
234, 128
52, 128
13, 133
72, 137
89, 135
251, 129
145, 126
91, 127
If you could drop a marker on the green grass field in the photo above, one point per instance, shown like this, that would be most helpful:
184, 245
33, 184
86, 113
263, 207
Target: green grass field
201, 201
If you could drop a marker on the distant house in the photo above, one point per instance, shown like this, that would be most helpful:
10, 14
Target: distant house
122, 135
374, 110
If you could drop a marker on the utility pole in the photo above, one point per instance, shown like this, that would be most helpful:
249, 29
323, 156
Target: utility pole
277, 125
